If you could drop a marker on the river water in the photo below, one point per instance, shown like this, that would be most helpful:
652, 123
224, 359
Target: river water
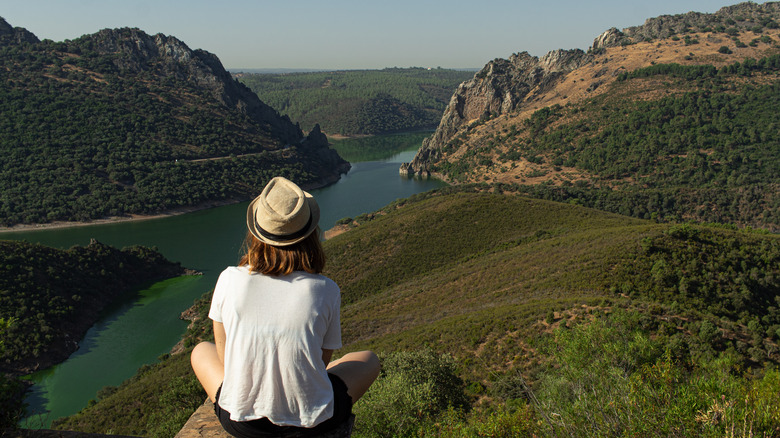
139, 330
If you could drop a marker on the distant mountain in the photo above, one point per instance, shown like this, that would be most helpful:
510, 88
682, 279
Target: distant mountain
360, 102
674, 119
121, 122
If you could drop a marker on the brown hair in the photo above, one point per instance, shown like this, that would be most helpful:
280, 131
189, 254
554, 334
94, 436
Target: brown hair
306, 255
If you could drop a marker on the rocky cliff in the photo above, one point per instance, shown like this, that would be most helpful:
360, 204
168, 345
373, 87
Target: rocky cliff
500, 87
503, 86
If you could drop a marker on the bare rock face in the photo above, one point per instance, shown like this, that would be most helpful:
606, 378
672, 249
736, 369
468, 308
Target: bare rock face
499, 88
610, 38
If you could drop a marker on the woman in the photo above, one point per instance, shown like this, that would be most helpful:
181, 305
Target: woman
276, 324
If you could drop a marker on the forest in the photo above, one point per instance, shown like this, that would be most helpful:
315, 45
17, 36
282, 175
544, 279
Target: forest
706, 152
83, 140
353, 102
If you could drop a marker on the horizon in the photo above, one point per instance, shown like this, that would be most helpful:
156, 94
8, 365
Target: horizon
351, 35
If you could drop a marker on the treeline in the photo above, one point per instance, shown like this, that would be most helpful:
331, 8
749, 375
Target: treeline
84, 139
691, 72
710, 154
360, 101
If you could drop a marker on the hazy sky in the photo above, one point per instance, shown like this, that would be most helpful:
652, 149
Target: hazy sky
351, 34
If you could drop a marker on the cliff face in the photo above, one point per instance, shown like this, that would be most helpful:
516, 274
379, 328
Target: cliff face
502, 86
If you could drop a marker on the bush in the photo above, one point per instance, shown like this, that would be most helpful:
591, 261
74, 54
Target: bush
413, 388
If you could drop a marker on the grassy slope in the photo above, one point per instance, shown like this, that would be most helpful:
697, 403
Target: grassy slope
486, 266
485, 276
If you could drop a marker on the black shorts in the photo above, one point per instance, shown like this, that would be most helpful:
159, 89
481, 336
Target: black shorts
263, 427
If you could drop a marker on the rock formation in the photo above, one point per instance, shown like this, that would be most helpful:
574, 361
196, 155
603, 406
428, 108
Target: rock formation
500, 87
135, 51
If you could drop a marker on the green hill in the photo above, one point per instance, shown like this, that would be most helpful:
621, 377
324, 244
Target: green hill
49, 298
355, 102
121, 122
509, 286
53, 296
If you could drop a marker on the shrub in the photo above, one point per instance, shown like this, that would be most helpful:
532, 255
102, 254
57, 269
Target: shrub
413, 388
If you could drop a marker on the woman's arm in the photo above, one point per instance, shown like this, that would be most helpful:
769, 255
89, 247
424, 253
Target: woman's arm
219, 340
326, 355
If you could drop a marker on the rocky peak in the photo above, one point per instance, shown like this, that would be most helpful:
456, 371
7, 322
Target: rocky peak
499, 88
610, 38
15, 35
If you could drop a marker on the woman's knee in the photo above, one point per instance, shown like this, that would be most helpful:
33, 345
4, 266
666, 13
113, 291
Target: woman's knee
357, 370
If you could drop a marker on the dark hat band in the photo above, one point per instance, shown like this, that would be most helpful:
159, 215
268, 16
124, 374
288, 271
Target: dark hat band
283, 237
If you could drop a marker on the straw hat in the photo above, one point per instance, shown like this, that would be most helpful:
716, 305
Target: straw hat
283, 214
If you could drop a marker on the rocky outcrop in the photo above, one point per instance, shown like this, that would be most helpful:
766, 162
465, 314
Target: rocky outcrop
610, 38
499, 88
12, 36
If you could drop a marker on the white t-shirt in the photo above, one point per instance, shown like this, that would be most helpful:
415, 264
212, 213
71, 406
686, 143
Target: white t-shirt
276, 328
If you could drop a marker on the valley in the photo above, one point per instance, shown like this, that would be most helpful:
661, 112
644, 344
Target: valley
586, 246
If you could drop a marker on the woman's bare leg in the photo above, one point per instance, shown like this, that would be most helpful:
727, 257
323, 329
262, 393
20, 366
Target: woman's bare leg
208, 368
358, 370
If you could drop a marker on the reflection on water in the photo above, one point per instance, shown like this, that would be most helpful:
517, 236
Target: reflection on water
138, 331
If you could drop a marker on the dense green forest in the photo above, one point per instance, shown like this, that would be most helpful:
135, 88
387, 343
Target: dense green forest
50, 297
360, 101
708, 150
550, 320
53, 296
93, 129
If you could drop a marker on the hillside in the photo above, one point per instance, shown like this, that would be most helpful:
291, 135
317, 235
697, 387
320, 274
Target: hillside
121, 123
675, 119
500, 275
53, 296
49, 298
359, 102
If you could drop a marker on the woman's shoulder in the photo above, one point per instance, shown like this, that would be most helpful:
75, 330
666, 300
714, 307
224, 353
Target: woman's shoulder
234, 271
317, 278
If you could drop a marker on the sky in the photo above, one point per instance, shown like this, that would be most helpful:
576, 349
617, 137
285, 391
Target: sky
351, 34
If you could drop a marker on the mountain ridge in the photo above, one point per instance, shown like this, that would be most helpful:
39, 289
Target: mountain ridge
531, 122
140, 124
472, 100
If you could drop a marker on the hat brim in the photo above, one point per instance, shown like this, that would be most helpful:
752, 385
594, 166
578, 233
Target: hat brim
251, 223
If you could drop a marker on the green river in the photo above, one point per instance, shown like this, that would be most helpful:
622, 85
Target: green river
138, 331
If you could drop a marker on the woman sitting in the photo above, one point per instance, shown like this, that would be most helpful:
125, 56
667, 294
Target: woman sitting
276, 324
